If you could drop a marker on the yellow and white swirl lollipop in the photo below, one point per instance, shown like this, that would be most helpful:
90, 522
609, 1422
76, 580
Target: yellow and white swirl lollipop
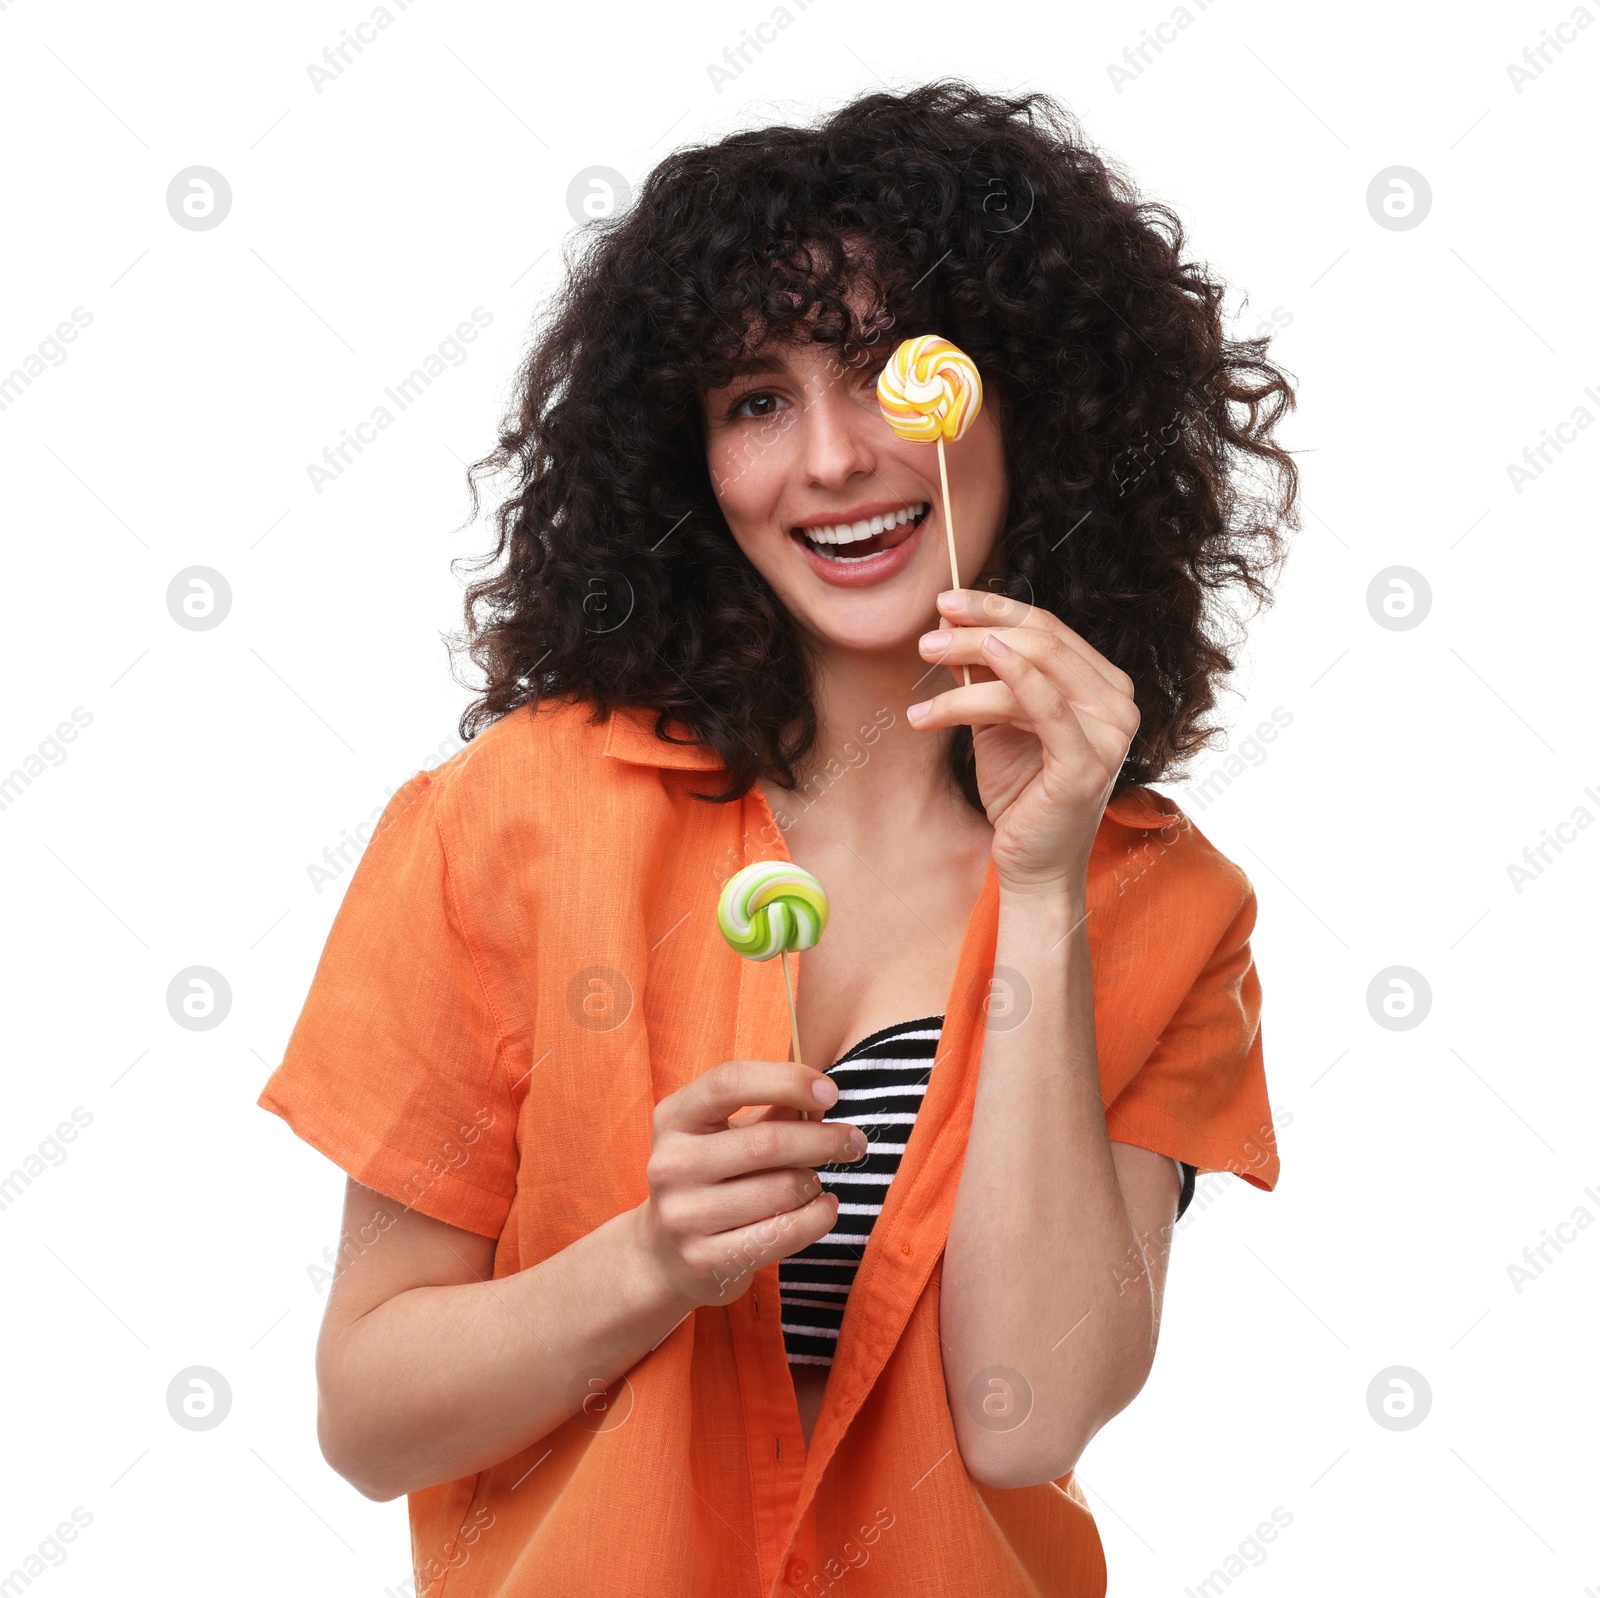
928, 392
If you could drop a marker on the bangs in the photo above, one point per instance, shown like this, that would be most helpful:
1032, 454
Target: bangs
828, 291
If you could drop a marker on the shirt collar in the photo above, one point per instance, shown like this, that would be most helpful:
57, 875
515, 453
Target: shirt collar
631, 736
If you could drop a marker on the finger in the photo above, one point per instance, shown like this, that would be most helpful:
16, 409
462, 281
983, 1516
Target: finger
1049, 644
725, 1206
705, 1104
983, 607
763, 1146
1054, 656
984, 704
1048, 715
987, 608
1062, 729
733, 1255
763, 1112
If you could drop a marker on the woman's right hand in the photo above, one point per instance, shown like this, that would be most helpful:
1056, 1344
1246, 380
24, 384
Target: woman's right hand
728, 1198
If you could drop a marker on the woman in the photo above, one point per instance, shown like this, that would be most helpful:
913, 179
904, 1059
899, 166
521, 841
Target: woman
616, 1306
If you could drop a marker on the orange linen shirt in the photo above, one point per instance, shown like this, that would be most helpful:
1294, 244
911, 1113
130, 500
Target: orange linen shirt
525, 961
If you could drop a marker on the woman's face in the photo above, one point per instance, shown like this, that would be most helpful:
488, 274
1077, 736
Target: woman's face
804, 465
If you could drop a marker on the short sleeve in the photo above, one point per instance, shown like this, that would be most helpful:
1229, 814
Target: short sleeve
394, 1069
1201, 1096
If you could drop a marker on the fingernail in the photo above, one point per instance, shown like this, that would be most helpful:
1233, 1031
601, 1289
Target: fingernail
824, 1090
918, 709
934, 643
858, 1141
995, 646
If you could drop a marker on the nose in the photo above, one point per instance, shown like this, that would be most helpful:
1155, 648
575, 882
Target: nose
837, 432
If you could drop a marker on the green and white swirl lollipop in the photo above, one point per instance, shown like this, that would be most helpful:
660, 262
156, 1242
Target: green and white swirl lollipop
773, 907
770, 908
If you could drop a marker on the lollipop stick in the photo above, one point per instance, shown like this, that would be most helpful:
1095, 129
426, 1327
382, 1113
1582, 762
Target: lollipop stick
950, 534
794, 1020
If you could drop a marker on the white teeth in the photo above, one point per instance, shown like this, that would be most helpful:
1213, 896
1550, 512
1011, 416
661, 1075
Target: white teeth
856, 532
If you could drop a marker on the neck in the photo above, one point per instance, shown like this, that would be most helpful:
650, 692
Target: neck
868, 762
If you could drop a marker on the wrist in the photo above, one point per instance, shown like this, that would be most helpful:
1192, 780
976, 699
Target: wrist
650, 1282
1067, 892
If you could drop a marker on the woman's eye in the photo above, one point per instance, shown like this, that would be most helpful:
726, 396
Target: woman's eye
756, 404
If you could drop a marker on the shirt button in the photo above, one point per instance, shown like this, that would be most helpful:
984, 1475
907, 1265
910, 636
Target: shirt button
795, 1572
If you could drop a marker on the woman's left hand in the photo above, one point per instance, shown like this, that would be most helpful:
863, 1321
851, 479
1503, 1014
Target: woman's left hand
1051, 722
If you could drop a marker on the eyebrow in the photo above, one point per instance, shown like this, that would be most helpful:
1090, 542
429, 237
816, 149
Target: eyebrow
763, 361
750, 365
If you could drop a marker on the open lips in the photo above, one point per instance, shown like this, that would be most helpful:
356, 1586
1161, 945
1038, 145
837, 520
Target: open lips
849, 541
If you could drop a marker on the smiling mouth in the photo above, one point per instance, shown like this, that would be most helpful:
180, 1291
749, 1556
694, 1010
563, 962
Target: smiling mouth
855, 541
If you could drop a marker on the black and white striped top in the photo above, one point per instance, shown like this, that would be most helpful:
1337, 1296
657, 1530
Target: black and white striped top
882, 1081
881, 1084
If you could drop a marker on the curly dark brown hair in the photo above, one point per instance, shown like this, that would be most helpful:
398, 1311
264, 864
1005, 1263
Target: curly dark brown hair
1145, 483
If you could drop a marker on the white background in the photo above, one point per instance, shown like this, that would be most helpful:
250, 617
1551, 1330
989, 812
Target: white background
431, 178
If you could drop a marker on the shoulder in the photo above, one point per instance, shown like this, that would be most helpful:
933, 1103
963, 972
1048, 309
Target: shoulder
547, 771
533, 748
1153, 857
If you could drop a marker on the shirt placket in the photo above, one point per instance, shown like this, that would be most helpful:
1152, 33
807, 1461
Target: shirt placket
775, 1445
909, 1235
904, 1246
